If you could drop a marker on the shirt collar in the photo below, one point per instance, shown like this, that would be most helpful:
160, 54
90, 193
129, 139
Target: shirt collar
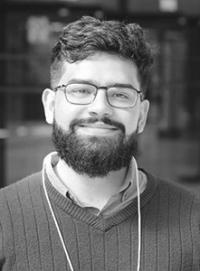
126, 193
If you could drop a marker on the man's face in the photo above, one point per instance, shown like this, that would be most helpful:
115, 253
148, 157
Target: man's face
97, 131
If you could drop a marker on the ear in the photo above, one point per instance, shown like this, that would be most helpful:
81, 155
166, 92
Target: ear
48, 100
144, 109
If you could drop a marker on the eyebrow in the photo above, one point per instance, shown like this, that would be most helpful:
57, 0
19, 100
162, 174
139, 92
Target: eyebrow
91, 82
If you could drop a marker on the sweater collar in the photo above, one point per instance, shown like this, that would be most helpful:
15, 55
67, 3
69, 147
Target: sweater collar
102, 223
116, 203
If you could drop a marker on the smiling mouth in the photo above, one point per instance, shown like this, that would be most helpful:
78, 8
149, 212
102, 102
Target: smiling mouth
98, 126
97, 129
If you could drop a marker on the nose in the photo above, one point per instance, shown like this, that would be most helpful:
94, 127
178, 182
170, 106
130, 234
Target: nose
100, 107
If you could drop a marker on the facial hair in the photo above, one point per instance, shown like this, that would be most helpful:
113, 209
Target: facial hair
94, 156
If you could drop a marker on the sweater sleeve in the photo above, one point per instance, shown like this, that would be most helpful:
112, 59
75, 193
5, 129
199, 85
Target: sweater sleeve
2, 257
6, 242
195, 224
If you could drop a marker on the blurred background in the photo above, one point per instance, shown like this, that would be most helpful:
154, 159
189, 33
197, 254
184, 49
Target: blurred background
170, 146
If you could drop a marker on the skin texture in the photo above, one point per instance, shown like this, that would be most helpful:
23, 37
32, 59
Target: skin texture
101, 69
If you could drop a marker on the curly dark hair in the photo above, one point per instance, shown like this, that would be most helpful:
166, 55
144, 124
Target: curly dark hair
89, 35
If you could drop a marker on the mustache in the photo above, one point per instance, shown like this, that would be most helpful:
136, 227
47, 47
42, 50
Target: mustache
105, 120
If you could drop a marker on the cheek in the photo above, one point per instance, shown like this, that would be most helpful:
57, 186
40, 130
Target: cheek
64, 113
131, 127
131, 123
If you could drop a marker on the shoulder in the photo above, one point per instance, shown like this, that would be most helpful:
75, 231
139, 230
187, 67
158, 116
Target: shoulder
175, 189
18, 201
170, 187
20, 187
173, 195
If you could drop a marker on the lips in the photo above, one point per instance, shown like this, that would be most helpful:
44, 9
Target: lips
98, 125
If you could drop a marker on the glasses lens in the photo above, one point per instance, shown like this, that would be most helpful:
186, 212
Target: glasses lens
122, 97
80, 93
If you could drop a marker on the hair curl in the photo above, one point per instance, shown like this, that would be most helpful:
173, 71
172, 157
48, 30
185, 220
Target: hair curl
88, 35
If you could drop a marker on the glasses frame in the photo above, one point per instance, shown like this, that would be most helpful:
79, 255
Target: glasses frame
64, 86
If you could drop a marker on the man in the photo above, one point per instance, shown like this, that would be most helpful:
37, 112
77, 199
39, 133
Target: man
91, 208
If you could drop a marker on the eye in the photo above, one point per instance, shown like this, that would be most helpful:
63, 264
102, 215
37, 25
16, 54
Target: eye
120, 95
79, 90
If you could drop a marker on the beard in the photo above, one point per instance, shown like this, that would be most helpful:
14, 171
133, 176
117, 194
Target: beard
94, 156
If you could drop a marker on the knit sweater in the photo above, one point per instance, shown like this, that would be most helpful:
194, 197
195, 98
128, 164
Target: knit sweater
29, 240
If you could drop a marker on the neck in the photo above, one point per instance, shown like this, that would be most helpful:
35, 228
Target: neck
92, 191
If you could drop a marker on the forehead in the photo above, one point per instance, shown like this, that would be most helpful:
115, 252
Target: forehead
102, 69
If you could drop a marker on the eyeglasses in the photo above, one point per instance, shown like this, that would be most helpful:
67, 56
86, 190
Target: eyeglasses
84, 94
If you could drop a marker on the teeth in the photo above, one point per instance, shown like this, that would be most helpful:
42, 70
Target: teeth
98, 125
